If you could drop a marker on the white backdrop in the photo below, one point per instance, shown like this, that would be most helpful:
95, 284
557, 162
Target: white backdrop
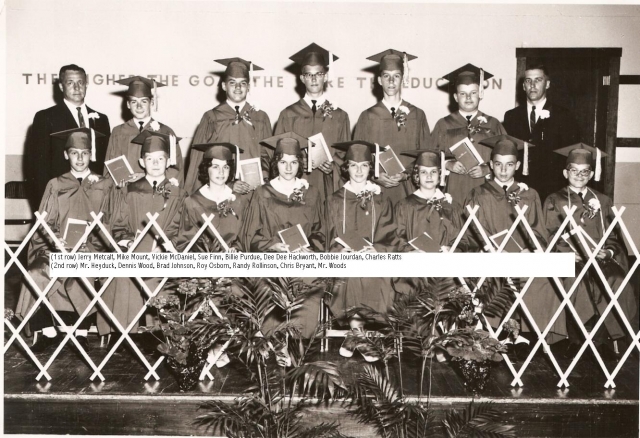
179, 40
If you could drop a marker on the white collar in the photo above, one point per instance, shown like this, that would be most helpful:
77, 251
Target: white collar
319, 100
146, 120
227, 193
72, 107
438, 194
583, 191
233, 105
369, 186
287, 191
539, 105
507, 185
82, 175
390, 105
158, 179
464, 114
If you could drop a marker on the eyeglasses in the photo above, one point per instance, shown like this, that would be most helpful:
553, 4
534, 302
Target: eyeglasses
310, 76
583, 173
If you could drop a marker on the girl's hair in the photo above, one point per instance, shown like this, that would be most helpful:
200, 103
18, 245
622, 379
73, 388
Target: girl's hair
344, 170
273, 165
415, 175
203, 170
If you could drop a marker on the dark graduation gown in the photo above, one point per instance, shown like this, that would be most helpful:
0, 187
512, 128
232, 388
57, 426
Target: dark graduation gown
64, 198
120, 144
123, 296
377, 126
453, 128
227, 223
497, 214
374, 223
217, 126
591, 289
299, 118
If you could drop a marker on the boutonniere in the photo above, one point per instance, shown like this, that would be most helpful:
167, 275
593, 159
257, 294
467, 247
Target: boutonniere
475, 129
93, 178
513, 198
448, 198
298, 194
327, 109
401, 116
435, 204
482, 119
544, 114
591, 209
367, 195
254, 107
224, 207
93, 115
154, 125
243, 116
164, 190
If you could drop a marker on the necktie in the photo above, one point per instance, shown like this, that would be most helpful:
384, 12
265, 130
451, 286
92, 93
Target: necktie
314, 108
468, 125
532, 118
237, 110
582, 196
506, 190
155, 184
393, 112
79, 180
141, 125
468, 120
80, 118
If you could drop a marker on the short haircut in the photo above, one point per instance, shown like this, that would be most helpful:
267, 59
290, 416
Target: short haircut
203, 170
344, 170
415, 174
166, 154
538, 66
71, 67
273, 165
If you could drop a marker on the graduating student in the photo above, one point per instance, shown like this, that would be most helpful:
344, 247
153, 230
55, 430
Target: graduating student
394, 122
315, 114
140, 98
427, 210
467, 86
216, 171
234, 121
593, 216
155, 193
67, 199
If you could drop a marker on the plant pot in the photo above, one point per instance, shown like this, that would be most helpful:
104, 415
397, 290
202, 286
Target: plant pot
475, 374
187, 375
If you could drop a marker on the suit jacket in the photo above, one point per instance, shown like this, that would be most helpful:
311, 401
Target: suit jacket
560, 129
44, 154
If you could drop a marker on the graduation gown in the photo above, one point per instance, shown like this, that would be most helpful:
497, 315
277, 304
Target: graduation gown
226, 220
120, 144
64, 198
376, 125
217, 125
496, 214
299, 118
123, 296
374, 223
590, 297
453, 128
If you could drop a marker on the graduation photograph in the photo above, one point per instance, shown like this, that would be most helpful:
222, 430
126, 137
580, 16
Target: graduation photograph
348, 179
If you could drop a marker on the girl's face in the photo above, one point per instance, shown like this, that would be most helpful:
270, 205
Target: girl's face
218, 172
428, 177
288, 167
359, 171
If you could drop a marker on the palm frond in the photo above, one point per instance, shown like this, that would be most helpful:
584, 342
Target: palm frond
317, 377
478, 420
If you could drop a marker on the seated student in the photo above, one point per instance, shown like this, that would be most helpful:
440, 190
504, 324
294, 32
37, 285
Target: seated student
139, 100
358, 215
216, 170
71, 196
593, 216
282, 203
497, 199
155, 193
234, 121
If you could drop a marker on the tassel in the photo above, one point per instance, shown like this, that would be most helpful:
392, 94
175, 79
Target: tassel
442, 169
309, 164
93, 144
405, 63
376, 162
525, 159
598, 164
250, 79
172, 150
481, 91
237, 176
330, 64
155, 96
344, 212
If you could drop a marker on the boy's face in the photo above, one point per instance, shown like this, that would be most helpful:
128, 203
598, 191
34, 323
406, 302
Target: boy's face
578, 175
155, 164
428, 177
391, 82
468, 97
140, 107
313, 77
236, 89
78, 159
504, 167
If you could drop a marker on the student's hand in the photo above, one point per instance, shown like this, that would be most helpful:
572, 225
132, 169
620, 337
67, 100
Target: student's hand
326, 167
579, 258
62, 245
476, 171
241, 187
603, 255
305, 250
136, 176
346, 250
369, 249
279, 247
456, 167
387, 181
525, 250
231, 249
168, 246
445, 248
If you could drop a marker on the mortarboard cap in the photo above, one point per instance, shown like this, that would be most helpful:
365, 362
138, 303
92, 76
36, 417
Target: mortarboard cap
392, 59
313, 54
154, 141
238, 67
581, 153
429, 158
508, 145
360, 151
221, 151
140, 86
80, 138
468, 74
287, 143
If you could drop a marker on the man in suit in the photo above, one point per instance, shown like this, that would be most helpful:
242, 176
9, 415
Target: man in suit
547, 125
46, 158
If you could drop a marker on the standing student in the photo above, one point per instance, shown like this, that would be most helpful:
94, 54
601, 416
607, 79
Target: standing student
71, 196
393, 121
593, 216
140, 99
314, 114
467, 85
236, 121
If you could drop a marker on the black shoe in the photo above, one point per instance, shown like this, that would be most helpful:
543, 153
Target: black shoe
84, 342
113, 338
43, 343
606, 352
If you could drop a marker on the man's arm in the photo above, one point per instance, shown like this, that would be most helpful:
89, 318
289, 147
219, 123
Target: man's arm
38, 151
